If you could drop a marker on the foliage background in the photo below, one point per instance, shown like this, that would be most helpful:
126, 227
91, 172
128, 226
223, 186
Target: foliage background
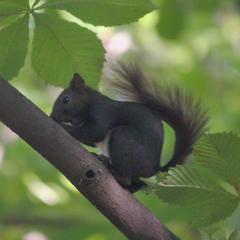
193, 43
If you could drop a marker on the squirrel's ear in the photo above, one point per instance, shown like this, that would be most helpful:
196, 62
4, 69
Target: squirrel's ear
77, 81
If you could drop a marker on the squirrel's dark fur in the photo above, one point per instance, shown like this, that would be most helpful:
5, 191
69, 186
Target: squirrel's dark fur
135, 129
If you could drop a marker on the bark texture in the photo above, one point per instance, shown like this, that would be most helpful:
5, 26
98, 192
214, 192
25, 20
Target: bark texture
88, 175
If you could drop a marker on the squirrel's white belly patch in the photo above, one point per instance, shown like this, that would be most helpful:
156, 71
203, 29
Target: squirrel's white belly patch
103, 146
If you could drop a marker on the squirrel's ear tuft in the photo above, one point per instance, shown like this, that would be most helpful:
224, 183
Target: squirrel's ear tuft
77, 81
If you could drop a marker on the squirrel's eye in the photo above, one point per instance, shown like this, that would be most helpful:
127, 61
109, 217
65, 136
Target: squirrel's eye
66, 100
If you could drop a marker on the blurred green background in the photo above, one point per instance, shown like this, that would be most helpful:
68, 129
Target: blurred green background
193, 43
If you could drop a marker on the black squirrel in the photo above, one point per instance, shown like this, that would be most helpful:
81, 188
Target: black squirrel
133, 131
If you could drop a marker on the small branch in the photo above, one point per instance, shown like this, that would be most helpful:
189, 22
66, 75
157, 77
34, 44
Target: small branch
88, 175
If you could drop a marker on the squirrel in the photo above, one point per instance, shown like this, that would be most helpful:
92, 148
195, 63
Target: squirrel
131, 130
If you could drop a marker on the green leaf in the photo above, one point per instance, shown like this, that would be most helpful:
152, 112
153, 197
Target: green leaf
36, 2
61, 48
186, 187
13, 47
104, 12
172, 18
13, 7
220, 153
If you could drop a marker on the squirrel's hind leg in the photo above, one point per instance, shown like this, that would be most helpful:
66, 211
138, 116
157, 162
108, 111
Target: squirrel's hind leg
129, 157
124, 182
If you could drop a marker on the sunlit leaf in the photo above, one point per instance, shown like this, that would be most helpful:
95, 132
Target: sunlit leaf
220, 153
104, 12
186, 187
13, 7
61, 48
35, 3
13, 47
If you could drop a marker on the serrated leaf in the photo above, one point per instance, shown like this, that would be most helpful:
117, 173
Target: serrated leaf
13, 47
61, 48
186, 187
13, 7
220, 153
155, 179
172, 18
104, 12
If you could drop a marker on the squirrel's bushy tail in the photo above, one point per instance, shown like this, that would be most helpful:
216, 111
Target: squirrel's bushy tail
184, 114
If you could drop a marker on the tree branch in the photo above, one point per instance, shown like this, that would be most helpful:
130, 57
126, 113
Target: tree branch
88, 175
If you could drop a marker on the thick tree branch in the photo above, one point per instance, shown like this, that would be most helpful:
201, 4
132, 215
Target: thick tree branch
81, 168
